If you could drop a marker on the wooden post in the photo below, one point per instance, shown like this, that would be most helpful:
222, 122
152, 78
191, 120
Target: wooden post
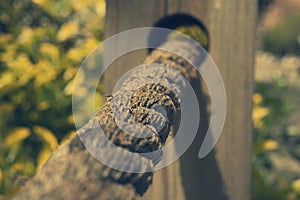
226, 172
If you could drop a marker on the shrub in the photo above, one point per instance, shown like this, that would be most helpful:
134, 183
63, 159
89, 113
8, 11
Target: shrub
42, 44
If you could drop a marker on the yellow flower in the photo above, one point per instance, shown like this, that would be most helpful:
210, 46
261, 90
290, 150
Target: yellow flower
258, 114
67, 31
269, 145
257, 98
16, 136
47, 136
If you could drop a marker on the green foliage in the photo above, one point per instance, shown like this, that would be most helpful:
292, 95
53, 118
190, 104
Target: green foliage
279, 109
285, 37
42, 44
271, 137
264, 189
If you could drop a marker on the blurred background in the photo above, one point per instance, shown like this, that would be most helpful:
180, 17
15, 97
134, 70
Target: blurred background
43, 42
42, 45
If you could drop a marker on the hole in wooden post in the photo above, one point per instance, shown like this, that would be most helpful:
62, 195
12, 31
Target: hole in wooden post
183, 23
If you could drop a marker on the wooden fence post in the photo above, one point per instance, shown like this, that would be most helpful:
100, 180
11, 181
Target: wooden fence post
226, 172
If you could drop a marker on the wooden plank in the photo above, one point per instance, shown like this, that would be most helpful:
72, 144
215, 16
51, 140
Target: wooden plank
194, 8
232, 26
122, 16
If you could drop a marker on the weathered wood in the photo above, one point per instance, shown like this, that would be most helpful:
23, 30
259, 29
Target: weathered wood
226, 172
232, 28
73, 173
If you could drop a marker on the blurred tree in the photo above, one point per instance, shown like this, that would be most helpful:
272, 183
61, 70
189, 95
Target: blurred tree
285, 37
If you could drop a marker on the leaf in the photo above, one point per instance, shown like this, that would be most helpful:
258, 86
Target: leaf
26, 36
44, 73
67, 30
17, 136
69, 74
50, 51
42, 3
6, 79
44, 105
77, 82
1, 177
47, 136
27, 167
90, 44
75, 55
43, 156
270, 144
21, 69
79, 5
9, 54
296, 185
